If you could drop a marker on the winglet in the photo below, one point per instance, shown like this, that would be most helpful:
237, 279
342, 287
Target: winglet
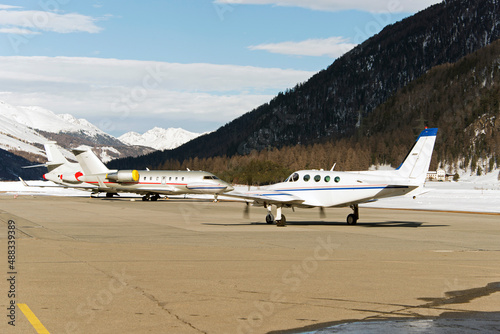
24, 182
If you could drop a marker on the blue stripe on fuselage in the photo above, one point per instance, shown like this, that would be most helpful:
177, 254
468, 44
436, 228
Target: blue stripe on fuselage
342, 188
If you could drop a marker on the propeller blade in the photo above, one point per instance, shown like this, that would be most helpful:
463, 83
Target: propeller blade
322, 213
246, 211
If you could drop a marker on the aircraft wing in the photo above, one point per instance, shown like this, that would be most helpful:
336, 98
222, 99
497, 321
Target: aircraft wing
267, 196
53, 185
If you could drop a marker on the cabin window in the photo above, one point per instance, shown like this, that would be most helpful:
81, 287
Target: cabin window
150, 178
327, 178
176, 178
336, 179
183, 178
164, 178
157, 178
307, 177
317, 178
144, 178
170, 178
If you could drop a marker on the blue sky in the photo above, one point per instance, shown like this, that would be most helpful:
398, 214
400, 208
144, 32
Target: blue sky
195, 64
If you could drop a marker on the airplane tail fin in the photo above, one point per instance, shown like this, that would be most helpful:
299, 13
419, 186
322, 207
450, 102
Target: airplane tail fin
416, 164
54, 156
89, 162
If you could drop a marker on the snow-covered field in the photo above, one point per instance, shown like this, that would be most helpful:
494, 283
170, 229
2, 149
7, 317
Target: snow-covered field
447, 196
470, 194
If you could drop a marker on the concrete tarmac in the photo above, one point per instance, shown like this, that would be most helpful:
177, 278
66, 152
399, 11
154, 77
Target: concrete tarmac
183, 266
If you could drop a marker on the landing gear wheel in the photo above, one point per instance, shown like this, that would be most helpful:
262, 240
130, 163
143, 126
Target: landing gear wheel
269, 218
352, 219
282, 221
155, 198
145, 198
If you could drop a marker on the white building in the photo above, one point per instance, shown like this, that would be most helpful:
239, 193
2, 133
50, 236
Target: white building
439, 175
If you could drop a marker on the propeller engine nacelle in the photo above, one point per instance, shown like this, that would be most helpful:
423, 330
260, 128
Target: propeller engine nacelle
123, 176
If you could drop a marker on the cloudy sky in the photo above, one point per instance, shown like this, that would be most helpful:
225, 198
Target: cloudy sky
196, 64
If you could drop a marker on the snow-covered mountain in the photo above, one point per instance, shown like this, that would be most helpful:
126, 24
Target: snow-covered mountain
42, 119
24, 130
158, 138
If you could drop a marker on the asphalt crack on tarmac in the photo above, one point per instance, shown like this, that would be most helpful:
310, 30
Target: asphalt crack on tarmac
22, 224
162, 306
140, 291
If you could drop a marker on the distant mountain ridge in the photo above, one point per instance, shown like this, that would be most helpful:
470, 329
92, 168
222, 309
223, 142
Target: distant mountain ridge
43, 119
24, 130
159, 138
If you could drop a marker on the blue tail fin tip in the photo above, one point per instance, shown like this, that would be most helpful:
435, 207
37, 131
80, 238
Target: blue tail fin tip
429, 132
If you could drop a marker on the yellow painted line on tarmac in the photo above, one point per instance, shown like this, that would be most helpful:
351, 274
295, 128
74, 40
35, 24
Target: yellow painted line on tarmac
40, 329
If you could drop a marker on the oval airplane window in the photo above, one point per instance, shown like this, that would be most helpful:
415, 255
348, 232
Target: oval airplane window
295, 177
336, 179
317, 178
327, 178
306, 177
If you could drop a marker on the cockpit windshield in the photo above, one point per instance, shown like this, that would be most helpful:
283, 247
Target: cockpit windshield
293, 178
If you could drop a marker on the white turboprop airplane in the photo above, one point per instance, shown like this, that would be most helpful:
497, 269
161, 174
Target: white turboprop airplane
149, 183
324, 189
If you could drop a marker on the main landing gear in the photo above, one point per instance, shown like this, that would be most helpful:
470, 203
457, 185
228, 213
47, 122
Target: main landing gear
353, 217
280, 218
149, 197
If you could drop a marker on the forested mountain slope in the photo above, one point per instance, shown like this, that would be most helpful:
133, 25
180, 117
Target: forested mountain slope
334, 102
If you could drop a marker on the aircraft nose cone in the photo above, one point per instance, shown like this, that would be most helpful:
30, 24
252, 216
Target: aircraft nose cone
229, 188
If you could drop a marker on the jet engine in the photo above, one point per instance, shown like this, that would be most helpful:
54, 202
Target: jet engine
123, 176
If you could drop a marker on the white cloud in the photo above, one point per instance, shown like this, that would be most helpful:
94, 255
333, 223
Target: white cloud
332, 47
37, 20
105, 90
18, 31
8, 7
392, 6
